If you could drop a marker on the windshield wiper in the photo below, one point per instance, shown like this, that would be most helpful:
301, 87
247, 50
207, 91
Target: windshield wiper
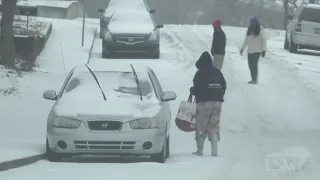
95, 78
137, 81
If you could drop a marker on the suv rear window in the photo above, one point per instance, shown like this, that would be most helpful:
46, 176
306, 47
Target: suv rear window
311, 15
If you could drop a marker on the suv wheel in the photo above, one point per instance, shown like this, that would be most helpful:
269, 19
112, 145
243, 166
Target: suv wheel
156, 56
292, 47
162, 156
52, 156
156, 53
168, 147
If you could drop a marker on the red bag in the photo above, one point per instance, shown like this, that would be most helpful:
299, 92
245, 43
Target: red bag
186, 116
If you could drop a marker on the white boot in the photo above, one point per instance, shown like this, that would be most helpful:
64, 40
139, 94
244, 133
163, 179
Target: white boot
200, 145
214, 145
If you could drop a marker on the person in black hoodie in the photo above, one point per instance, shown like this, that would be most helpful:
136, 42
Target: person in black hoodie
219, 43
209, 87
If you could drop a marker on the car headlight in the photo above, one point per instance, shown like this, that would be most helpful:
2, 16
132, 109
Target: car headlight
108, 36
146, 123
153, 36
64, 122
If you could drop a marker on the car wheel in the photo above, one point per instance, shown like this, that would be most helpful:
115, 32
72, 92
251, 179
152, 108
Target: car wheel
168, 147
52, 156
107, 55
286, 43
292, 47
162, 156
156, 56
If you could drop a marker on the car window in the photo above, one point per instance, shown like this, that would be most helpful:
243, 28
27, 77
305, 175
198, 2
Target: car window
114, 84
311, 15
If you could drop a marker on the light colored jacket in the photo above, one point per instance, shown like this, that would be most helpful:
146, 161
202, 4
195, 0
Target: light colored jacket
256, 44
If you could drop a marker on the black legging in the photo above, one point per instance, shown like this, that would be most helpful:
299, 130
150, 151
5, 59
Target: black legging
253, 59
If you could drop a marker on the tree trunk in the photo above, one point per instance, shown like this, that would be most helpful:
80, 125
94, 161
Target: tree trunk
285, 13
7, 46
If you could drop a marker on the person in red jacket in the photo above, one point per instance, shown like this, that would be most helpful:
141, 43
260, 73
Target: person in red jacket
219, 43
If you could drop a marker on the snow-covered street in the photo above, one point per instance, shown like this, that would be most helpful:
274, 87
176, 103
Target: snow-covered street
279, 117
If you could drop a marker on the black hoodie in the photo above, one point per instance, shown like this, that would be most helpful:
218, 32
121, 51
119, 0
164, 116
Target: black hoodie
208, 82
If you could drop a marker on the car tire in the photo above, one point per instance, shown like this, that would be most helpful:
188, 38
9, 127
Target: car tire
286, 43
52, 156
156, 56
168, 147
162, 156
292, 47
107, 55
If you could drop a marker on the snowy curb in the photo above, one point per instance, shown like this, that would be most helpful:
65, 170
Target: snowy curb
90, 51
4, 166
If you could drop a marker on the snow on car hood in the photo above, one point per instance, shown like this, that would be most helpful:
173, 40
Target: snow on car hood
109, 108
131, 28
131, 23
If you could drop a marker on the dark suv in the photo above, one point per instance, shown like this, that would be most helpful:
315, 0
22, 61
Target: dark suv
130, 32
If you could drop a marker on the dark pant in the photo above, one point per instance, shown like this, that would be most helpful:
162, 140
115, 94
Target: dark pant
253, 59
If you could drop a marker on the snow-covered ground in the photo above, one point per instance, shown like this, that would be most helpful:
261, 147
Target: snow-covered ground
23, 113
276, 121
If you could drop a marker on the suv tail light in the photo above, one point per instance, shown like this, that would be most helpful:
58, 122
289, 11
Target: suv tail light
298, 27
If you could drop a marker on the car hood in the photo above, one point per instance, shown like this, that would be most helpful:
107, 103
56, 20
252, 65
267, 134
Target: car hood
131, 28
125, 110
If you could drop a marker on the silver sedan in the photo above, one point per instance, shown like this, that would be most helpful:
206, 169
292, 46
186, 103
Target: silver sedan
109, 110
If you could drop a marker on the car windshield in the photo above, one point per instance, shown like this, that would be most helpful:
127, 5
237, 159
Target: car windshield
311, 15
113, 83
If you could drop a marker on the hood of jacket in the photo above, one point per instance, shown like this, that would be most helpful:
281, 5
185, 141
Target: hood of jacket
204, 61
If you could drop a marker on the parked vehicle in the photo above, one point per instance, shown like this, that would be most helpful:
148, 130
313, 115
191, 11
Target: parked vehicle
303, 30
121, 6
131, 33
109, 110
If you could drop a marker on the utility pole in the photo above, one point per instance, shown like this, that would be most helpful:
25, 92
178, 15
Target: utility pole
83, 22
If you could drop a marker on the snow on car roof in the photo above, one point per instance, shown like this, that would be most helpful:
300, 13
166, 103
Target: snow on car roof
119, 5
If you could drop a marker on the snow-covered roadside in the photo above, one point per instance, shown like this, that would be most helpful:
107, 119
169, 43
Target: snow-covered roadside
63, 51
23, 113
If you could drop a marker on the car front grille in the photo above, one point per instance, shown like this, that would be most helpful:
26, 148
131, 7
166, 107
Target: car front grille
105, 125
131, 39
104, 145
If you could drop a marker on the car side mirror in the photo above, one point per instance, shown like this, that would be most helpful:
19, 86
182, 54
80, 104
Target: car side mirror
152, 11
101, 10
169, 96
159, 26
290, 17
50, 95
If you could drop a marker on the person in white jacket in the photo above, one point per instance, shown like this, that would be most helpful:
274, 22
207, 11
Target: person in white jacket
256, 41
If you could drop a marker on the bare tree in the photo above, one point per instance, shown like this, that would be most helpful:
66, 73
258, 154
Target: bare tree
286, 7
7, 46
